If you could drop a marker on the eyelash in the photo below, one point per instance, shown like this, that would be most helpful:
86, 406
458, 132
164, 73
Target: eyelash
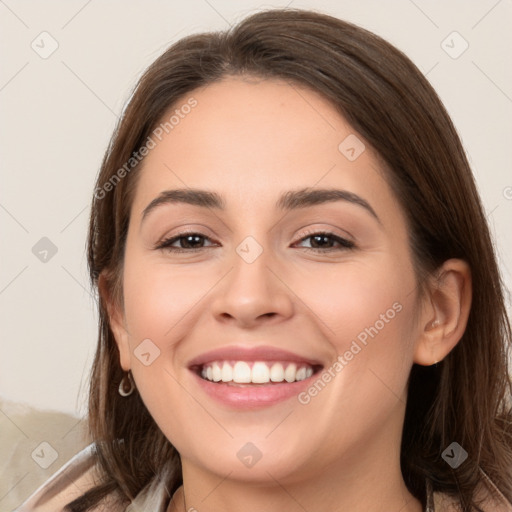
345, 244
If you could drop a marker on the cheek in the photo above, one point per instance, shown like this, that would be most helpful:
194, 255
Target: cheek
360, 301
162, 304
159, 304
365, 313
159, 296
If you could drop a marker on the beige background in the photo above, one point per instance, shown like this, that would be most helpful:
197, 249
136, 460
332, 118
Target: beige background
57, 116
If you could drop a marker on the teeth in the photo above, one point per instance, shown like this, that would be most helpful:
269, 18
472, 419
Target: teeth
290, 373
300, 375
216, 372
258, 372
242, 373
277, 372
227, 373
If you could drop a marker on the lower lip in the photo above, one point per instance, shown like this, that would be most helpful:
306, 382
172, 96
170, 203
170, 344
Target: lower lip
252, 396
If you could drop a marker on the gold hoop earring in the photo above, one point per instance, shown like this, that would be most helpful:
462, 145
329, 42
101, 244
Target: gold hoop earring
126, 388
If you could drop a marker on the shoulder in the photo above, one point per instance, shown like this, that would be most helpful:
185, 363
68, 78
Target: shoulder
72, 480
488, 500
82, 473
445, 503
21, 470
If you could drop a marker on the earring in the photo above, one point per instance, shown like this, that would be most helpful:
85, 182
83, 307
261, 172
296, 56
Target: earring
123, 391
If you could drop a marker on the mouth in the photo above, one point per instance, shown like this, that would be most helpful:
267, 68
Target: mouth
248, 378
248, 373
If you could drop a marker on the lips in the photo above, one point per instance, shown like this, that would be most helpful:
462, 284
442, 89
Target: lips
251, 354
252, 377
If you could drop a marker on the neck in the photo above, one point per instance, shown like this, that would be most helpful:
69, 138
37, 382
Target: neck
368, 478
329, 496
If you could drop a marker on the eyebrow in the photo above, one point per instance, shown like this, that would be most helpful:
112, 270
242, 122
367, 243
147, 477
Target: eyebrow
290, 200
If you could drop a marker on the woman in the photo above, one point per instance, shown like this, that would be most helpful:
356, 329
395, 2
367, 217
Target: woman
238, 368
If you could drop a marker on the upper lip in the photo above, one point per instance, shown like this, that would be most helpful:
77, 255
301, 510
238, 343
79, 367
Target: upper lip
243, 353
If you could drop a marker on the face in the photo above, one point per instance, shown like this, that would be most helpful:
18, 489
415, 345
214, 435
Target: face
296, 307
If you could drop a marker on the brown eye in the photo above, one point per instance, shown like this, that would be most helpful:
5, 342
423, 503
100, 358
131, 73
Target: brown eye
188, 242
323, 242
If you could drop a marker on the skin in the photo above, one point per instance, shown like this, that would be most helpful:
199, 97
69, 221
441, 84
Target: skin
251, 140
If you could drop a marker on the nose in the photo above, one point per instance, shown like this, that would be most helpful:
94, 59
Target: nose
253, 293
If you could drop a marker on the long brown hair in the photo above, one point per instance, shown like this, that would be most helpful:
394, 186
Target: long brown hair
386, 99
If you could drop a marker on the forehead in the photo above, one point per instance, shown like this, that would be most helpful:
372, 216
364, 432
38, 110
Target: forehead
253, 139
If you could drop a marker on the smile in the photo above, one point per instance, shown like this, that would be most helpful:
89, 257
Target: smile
242, 377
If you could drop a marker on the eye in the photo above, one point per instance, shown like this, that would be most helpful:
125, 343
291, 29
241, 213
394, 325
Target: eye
190, 242
324, 240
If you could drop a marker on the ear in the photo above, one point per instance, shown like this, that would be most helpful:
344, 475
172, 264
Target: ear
117, 321
445, 313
